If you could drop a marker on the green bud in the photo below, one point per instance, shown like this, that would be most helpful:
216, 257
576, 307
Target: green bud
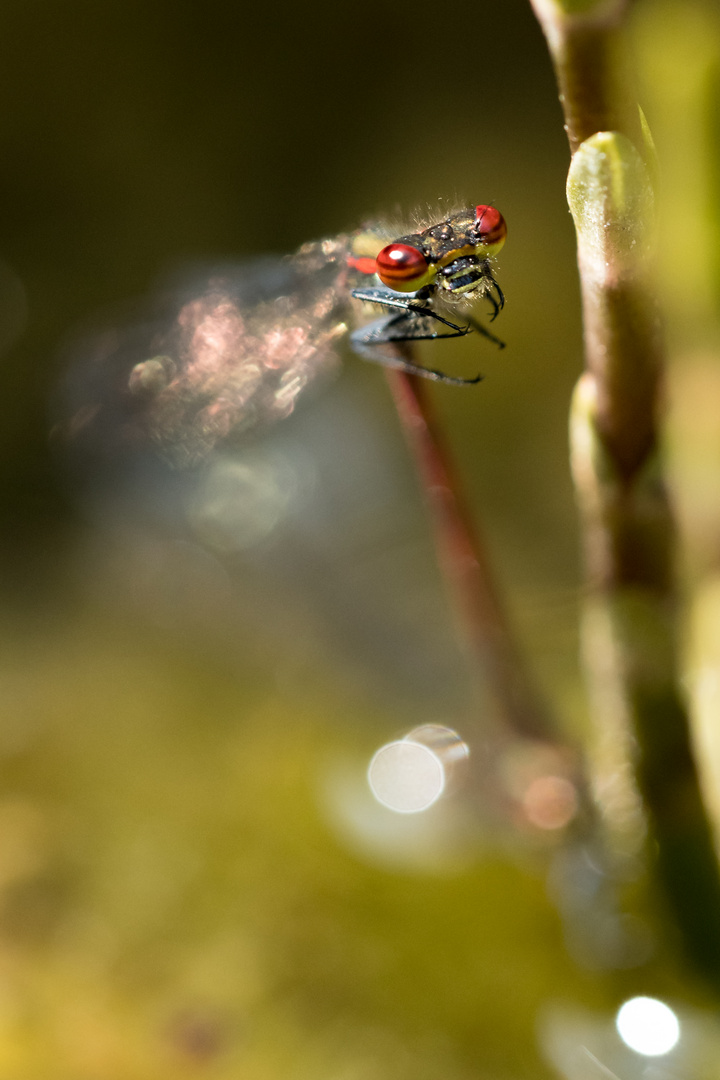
611, 200
594, 9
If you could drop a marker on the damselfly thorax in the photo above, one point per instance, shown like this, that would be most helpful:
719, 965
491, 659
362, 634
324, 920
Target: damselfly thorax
237, 350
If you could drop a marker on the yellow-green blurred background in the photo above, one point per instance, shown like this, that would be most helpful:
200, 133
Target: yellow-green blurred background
193, 878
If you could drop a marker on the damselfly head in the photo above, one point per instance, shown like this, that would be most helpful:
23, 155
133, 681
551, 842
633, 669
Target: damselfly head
450, 256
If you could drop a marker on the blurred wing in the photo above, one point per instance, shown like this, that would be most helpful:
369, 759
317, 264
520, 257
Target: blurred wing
212, 360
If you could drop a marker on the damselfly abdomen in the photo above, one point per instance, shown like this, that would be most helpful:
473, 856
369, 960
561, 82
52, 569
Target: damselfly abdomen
236, 351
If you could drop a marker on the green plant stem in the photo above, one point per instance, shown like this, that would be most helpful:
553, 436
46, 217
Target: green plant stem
629, 639
464, 563
587, 49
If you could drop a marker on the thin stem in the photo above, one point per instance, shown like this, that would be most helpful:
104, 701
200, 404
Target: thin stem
588, 53
628, 531
466, 568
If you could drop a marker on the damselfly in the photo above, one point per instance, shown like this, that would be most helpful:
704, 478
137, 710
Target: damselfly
238, 350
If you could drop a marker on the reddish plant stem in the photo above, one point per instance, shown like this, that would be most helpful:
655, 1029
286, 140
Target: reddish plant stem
587, 51
466, 569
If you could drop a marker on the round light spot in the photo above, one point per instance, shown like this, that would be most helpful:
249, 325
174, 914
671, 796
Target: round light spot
239, 501
550, 802
648, 1026
406, 777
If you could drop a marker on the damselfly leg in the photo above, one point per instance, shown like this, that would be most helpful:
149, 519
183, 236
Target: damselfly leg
415, 320
367, 342
498, 303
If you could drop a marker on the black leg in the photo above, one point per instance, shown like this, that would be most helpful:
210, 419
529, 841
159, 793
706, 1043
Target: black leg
480, 329
497, 303
403, 327
413, 369
367, 341
406, 305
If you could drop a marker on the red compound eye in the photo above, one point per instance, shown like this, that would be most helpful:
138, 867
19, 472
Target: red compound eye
490, 225
400, 267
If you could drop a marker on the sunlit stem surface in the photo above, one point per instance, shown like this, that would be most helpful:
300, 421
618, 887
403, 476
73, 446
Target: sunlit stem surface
629, 631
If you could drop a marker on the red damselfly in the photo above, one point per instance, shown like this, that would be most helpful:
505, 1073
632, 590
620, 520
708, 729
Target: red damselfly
236, 351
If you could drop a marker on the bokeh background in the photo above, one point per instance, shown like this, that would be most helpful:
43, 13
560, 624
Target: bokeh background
194, 880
